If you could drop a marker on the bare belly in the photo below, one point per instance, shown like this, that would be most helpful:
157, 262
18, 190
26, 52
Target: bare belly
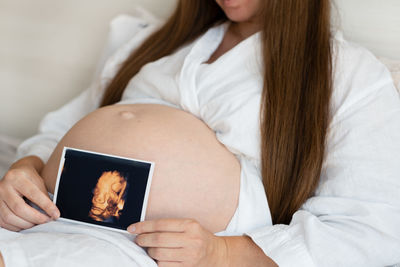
195, 175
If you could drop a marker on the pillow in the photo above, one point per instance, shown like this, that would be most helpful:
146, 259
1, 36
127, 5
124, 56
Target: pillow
394, 67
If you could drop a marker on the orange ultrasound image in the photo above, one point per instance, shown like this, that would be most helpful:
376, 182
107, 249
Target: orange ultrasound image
108, 197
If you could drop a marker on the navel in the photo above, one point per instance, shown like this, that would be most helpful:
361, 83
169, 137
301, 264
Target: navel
127, 115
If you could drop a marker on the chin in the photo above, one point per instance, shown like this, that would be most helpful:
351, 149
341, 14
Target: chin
237, 16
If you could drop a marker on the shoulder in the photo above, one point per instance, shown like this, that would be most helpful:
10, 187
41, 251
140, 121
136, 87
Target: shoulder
349, 56
357, 74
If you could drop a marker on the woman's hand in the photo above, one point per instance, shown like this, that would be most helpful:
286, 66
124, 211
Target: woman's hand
180, 242
23, 180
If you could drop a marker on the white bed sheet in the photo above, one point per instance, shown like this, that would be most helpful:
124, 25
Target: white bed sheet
64, 244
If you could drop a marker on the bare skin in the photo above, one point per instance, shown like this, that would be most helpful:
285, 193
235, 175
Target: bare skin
186, 152
233, 36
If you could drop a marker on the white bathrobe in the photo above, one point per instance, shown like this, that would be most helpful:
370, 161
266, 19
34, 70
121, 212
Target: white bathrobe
352, 220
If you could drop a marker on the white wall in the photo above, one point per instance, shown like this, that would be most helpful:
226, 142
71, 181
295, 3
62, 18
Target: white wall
48, 53
49, 48
373, 23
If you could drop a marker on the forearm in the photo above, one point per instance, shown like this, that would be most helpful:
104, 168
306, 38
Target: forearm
1, 261
242, 251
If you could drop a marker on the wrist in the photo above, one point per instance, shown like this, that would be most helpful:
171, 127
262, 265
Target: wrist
1, 261
222, 257
31, 161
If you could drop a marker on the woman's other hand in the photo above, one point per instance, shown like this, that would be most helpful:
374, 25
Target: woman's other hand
180, 242
23, 180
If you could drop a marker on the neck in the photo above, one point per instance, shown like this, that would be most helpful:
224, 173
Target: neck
244, 29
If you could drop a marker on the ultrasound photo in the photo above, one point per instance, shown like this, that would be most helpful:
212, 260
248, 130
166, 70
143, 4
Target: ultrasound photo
102, 190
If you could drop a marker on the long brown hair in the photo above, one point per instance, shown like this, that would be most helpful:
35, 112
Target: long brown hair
296, 94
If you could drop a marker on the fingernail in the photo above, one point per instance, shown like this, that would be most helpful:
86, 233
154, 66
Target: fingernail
55, 215
131, 229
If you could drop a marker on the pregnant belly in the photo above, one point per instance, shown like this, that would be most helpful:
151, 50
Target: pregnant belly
195, 176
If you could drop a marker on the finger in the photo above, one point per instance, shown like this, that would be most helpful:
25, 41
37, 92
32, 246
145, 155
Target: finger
166, 254
9, 227
20, 208
10, 221
161, 225
34, 194
169, 264
161, 239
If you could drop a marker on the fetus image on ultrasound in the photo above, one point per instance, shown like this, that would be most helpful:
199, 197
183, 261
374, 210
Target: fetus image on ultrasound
108, 197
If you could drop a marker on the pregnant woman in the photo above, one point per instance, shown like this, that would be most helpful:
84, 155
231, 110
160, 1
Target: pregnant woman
275, 142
